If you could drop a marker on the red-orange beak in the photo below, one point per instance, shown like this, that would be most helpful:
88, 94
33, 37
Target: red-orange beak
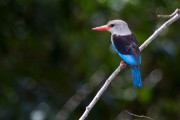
101, 28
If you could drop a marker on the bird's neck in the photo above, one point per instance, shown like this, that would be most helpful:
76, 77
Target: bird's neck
122, 31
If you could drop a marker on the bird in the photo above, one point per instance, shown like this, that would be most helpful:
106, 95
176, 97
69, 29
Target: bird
125, 44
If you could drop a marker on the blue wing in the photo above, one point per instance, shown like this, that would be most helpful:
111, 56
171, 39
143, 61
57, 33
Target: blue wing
130, 59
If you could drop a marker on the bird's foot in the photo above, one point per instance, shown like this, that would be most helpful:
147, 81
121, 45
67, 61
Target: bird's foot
123, 63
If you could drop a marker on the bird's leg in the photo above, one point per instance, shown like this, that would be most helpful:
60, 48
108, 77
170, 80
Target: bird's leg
123, 63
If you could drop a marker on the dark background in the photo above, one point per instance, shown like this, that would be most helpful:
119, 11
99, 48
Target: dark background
48, 53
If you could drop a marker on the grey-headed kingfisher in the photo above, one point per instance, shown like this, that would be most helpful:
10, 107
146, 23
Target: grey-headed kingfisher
125, 44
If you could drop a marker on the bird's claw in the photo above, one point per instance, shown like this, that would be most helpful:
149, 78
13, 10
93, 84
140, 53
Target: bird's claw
123, 63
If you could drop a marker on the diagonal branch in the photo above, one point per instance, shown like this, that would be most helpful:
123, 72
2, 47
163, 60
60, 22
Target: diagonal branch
173, 17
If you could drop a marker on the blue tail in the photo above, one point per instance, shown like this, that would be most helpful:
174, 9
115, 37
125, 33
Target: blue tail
137, 81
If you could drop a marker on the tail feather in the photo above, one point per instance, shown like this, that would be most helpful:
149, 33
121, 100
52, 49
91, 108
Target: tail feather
137, 81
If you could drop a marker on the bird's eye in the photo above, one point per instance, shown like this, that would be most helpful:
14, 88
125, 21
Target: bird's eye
112, 25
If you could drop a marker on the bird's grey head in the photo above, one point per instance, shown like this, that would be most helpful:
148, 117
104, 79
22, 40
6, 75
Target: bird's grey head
119, 27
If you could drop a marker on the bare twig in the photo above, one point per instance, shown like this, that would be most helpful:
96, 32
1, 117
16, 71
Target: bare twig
140, 116
101, 91
174, 17
177, 11
159, 30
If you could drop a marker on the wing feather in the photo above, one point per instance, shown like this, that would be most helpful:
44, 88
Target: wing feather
127, 48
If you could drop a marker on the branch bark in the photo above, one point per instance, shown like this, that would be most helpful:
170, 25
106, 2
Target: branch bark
173, 17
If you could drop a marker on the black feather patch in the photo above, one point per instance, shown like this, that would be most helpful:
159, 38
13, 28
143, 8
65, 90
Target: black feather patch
126, 45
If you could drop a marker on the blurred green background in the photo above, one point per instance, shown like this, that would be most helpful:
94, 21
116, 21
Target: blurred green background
48, 53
